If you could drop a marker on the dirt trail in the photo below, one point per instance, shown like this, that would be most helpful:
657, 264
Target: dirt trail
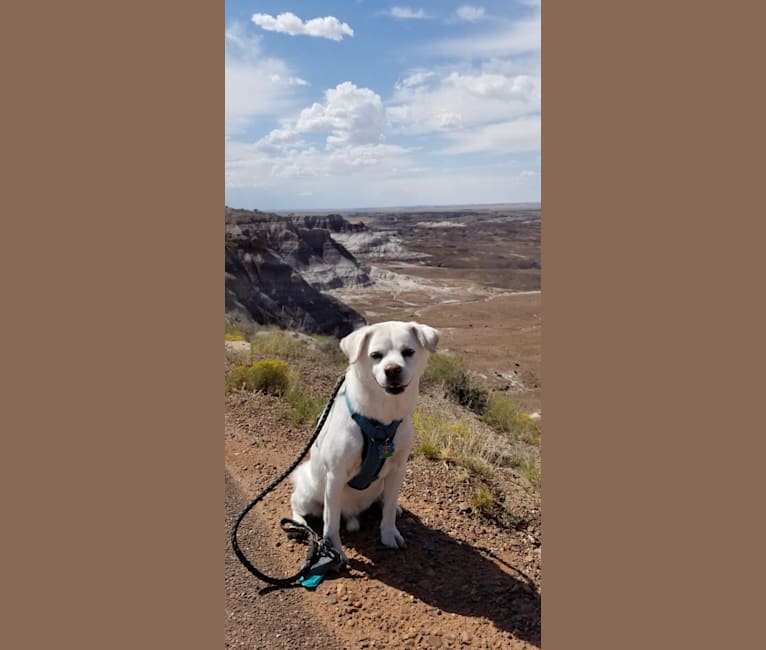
462, 582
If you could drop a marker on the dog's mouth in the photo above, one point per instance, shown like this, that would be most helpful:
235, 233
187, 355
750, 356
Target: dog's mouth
395, 389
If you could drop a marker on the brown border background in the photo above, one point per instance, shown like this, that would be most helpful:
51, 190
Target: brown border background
114, 170
652, 303
113, 402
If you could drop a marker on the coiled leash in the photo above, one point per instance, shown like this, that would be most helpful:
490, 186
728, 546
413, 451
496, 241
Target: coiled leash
322, 557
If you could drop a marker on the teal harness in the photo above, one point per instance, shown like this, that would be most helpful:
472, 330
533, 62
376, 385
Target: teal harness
378, 445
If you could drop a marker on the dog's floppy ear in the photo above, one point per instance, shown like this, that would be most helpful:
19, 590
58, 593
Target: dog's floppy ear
428, 336
353, 344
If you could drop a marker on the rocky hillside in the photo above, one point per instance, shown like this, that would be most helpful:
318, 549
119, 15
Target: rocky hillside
335, 223
277, 269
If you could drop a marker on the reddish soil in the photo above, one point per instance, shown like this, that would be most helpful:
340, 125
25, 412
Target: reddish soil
464, 580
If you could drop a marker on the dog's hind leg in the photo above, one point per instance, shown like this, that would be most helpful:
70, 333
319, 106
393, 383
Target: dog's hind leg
302, 500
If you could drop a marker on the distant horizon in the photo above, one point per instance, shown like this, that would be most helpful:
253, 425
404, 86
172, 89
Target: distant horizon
529, 205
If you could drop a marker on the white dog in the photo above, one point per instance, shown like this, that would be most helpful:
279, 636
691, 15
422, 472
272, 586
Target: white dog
361, 452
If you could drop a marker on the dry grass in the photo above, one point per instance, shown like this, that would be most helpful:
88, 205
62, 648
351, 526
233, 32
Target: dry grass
238, 331
530, 469
294, 347
443, 431
504, 415
438, 436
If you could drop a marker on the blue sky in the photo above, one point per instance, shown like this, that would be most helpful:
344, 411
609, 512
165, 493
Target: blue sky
373, 104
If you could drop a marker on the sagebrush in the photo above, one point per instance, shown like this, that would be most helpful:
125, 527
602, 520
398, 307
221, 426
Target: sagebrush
268, 376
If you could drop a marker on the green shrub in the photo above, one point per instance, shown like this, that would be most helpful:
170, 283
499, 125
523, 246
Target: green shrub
428, 449
304, 408
503, 414
450, 373
268, 376
329, 348
482, 501
238, 331
279, 344
443, 369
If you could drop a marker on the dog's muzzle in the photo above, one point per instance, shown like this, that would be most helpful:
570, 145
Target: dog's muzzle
395, 389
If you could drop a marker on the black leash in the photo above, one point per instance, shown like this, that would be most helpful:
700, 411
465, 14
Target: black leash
321, 556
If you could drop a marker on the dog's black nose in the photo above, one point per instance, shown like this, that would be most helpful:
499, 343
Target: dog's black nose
392, 371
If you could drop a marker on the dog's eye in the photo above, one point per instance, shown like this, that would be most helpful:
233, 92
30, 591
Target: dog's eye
376, 355
408, 352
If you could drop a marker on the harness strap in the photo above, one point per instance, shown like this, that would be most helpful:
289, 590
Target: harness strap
378, 444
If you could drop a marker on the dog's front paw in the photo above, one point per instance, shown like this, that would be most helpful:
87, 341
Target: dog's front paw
392, 538
336, 545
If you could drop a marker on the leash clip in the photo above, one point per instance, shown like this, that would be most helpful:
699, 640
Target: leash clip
329, 559
386, 449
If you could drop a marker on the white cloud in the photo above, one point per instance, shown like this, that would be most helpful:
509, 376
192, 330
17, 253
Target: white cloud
470, 14
451, 99
351, 116
509, 39
515, 136
496, 86
288, 23
407, 13
352, 121
417, 78
391, 182
290, 81
254, 165
255, 85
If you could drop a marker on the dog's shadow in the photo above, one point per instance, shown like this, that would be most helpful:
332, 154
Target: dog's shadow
448, 574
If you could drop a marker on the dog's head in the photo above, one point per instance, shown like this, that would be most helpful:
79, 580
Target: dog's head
394, 354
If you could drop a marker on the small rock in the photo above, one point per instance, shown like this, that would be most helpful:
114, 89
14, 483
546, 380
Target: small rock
332, 600
433, 641
466, 637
